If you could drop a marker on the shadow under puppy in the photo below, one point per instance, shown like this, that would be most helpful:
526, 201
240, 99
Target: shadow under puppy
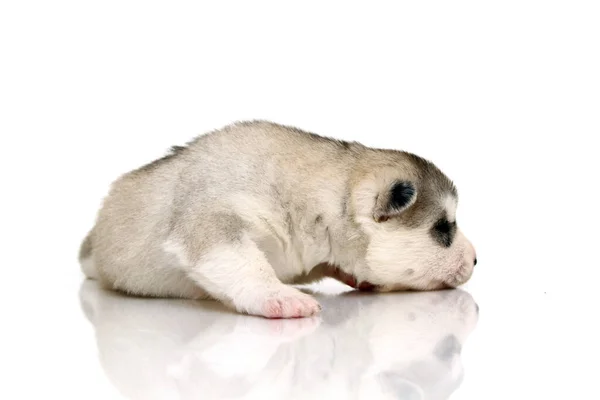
240, 212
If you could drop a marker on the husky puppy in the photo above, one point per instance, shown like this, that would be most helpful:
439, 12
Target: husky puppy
241, 212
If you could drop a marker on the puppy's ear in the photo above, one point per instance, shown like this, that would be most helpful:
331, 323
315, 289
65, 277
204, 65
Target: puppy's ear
393, 200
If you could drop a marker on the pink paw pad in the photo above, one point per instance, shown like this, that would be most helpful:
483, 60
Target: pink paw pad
290, 307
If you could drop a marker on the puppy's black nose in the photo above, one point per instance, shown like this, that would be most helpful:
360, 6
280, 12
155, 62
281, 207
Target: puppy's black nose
474, 262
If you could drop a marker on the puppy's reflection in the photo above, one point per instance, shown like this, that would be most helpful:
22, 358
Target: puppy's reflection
384, 346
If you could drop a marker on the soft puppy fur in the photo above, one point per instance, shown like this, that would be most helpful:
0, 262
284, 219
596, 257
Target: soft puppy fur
240, 212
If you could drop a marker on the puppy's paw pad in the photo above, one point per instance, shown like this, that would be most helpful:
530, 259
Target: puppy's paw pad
295, 305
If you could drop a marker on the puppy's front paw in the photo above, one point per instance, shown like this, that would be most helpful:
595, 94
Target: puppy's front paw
285, 303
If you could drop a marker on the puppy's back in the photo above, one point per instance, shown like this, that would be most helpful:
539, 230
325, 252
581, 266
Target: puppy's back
259, 160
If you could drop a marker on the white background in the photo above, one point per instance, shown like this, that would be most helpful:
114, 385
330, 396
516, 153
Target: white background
503, 96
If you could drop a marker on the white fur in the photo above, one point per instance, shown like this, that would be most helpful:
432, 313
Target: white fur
412, 257
450, 204
251, 283
178, 250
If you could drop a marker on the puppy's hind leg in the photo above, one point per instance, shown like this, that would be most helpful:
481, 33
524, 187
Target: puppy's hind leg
239, 274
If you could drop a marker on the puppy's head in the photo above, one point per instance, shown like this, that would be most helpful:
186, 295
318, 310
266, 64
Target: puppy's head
407, 208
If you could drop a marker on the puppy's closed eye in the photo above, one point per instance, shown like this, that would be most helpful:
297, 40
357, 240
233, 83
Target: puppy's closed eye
443, 231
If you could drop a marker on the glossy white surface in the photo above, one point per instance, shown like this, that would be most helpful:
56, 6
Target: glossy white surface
405, 345
498, 344
502, 96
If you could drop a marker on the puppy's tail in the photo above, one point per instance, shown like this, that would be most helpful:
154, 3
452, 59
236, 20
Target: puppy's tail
85, 257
